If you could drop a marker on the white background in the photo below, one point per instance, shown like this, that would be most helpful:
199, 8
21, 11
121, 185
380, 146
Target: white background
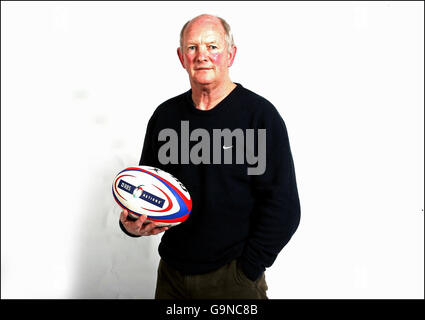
79, 82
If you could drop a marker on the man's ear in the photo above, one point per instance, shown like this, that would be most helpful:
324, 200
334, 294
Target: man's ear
179, 53
232, 55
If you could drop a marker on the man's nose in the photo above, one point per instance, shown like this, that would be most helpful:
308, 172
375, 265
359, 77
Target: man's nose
202, 54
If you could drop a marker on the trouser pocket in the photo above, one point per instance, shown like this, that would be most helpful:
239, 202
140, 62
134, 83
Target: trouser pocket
240, 277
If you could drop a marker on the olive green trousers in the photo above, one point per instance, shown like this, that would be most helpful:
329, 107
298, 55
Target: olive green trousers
227, 282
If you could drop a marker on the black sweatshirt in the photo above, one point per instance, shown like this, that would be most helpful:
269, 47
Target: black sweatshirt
235, 215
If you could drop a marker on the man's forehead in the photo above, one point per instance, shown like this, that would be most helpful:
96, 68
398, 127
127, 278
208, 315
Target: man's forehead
207, 36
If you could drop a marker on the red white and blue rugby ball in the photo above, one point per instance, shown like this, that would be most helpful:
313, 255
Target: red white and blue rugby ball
154, 192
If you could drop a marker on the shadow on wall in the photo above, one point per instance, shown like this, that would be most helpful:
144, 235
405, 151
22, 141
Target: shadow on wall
110, 264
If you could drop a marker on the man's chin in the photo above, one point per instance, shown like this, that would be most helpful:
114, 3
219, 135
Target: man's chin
203, 81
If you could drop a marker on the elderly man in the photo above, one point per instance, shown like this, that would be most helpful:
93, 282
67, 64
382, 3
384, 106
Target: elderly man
245, 199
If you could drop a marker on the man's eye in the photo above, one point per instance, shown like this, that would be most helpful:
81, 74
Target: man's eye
191, 48
213, 46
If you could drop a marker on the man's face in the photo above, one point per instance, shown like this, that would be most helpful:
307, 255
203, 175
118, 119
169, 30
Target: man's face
204, 54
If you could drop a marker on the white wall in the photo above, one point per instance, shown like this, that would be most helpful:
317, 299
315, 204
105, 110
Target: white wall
79, 82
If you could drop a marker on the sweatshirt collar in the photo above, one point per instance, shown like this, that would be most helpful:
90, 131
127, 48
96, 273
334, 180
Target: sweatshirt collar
220, 106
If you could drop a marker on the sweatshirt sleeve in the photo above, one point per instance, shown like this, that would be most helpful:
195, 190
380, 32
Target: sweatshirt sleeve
277, 208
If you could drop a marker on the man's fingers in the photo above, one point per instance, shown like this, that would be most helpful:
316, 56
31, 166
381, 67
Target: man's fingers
140, 221
148, 227
159, 230
140, 226
123, 216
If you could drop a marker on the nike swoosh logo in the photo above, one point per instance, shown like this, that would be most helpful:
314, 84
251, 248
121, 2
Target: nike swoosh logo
225, 148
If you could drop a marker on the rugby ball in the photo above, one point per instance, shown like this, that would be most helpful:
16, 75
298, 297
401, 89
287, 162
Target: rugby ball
154, 192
